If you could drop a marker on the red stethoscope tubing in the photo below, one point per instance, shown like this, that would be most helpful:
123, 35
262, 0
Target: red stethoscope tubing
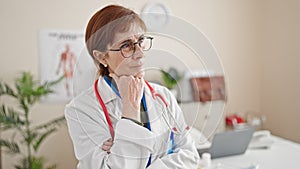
154, 94
110, 125
111, 128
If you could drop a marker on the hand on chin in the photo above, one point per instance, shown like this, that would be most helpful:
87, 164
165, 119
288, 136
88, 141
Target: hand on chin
139, 74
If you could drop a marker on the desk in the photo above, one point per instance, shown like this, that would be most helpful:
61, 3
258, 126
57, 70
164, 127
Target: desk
283, 154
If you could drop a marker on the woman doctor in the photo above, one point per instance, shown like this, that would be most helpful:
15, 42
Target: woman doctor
118, 123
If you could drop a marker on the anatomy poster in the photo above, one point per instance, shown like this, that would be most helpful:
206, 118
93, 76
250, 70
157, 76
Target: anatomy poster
59, 53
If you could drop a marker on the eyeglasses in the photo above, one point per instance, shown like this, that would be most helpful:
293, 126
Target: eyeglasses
128, 47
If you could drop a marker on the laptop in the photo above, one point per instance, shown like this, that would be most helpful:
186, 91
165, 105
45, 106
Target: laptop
229, 143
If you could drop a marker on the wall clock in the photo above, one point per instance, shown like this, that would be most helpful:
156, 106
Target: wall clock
155, 16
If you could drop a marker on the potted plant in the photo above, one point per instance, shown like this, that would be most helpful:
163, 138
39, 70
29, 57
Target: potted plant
16, 119
170, 79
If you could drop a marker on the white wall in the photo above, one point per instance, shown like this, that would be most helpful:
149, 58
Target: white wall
233, 26
281, 67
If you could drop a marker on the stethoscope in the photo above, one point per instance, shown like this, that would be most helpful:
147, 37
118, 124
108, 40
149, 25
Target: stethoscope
155, 95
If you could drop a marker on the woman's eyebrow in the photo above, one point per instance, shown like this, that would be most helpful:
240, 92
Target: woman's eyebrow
125, 41
128, 40
141, 36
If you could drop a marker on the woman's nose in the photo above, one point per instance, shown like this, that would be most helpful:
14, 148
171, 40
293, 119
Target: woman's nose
139, 53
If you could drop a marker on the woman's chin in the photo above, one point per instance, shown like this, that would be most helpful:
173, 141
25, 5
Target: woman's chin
139, 74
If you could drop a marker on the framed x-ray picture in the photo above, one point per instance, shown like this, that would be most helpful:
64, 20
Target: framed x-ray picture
208, 88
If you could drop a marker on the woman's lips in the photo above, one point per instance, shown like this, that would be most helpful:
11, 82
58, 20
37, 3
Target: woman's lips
137, 66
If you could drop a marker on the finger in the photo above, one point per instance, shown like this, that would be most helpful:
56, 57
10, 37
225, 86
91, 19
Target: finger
140, 74
139, 84
132, 90
106, 148
108, 143
136, 88
141, 87
142, 79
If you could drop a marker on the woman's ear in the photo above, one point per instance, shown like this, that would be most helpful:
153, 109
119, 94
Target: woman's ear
100, 57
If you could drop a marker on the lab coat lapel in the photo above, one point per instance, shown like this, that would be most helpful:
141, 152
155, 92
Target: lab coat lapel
108, 95
155, 111
106, 92
158, 125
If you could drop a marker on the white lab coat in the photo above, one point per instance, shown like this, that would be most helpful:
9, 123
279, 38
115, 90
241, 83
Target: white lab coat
133, 143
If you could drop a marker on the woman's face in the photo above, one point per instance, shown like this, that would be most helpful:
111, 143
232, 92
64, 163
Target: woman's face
126, 66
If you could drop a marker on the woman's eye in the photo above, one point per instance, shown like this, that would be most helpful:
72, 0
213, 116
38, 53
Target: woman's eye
141, 39
125, 45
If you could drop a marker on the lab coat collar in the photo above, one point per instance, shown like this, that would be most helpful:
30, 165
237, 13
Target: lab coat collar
106, 92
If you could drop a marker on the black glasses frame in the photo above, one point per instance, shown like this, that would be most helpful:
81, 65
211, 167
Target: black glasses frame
133, 46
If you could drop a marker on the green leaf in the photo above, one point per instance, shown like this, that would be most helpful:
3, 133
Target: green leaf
25, 83
37, 163
44, 89
19, 167
23, 164
31, 91
53, 123
30, 136
38, 142
51, 83
24, 105
50, 127
41, 90
12, 147
170, 78
6, 90
9, 118
1, 89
